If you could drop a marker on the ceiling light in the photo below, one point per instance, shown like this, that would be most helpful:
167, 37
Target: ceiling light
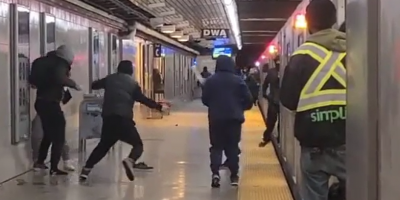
168, 29
184, 38
177, 34
231, 11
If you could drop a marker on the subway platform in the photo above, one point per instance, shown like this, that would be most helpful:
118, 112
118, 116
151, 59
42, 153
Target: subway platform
177, 146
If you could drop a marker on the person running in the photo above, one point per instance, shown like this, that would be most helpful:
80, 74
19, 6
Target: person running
121, 92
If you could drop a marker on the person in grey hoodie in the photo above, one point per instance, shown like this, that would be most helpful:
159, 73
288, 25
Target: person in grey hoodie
48, 105
121, 92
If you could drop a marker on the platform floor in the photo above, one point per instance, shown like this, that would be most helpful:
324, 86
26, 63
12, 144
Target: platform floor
177, 147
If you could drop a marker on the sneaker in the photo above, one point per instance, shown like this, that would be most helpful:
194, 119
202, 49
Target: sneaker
128, 164
215, 181
39, 166
68, 166
235, 180
264, 142
84, 174
58, 172
142, 165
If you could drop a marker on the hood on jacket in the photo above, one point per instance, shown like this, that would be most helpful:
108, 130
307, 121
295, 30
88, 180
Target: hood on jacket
225, 64
65, 53
331, 39
125, 67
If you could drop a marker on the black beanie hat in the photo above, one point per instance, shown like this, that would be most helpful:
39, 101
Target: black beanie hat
126, 67
321, 14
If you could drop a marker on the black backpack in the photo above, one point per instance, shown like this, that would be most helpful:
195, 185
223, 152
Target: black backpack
40, 72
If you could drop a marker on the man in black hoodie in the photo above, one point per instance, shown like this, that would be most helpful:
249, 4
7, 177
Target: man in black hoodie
271, 82
121, 92
227, 97
48, 99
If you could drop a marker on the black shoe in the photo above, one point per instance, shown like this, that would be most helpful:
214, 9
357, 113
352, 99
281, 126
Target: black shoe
142, 165
84, 174
58, 172
235, 180
264, 142
215, 181
39, 166
128, 166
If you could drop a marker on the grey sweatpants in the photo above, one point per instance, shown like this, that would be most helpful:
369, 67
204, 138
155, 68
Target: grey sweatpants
317, 167
36, 139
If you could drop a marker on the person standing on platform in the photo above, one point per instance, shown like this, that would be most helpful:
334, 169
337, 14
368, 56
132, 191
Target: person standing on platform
49, 75
314, 87
227, 97
271, 84
121, 92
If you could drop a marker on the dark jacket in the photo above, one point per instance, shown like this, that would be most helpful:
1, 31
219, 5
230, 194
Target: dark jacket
205, 74
271, 81
226, 94
253, 86
60, 62
120, 94
323, 134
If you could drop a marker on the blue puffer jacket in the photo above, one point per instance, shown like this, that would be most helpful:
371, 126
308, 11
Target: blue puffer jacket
225, 94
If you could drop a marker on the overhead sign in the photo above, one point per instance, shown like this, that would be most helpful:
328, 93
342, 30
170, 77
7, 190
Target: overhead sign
214, 33
157, 50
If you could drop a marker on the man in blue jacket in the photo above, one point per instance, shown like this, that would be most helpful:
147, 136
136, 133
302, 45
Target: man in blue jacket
227, 97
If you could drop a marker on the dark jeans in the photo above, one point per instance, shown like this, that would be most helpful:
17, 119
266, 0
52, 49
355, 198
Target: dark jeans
53, 124
272, 118
116, 128
317, 167
225, 136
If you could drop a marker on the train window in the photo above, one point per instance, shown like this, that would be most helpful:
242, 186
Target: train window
300, 39
50, 33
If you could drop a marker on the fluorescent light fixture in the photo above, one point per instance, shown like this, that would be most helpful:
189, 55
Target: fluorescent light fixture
177, 34
184, 38
168, 29
231, 11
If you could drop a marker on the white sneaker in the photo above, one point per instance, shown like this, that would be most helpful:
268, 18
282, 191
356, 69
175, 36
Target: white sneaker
68, 166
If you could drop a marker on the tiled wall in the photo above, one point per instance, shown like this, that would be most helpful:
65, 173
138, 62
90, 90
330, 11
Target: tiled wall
71, 30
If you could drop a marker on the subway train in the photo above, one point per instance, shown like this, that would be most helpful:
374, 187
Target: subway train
291, 36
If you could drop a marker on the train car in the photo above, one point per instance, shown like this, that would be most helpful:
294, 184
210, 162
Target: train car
291, 36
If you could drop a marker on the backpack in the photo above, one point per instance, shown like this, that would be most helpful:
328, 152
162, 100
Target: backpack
40, 72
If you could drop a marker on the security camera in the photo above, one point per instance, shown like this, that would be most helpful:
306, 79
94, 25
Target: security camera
127, 33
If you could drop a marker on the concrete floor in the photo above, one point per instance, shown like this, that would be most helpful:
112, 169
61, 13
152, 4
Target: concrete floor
177, 146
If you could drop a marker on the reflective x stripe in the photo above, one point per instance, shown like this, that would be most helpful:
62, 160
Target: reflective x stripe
330, 66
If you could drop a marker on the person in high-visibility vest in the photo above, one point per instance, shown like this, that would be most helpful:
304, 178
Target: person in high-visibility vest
314, 87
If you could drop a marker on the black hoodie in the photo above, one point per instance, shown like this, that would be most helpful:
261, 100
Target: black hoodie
121, 91
225, 94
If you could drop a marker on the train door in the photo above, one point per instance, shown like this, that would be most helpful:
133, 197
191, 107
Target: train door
113, 56
20, 66
94, 56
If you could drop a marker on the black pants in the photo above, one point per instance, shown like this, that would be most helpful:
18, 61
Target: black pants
116, 128
53, 124
225, 136
272, 118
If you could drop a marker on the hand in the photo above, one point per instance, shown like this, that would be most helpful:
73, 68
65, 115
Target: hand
77, 87
165, 108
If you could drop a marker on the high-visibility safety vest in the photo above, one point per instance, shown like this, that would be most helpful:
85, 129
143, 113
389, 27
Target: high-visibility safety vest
330, 65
